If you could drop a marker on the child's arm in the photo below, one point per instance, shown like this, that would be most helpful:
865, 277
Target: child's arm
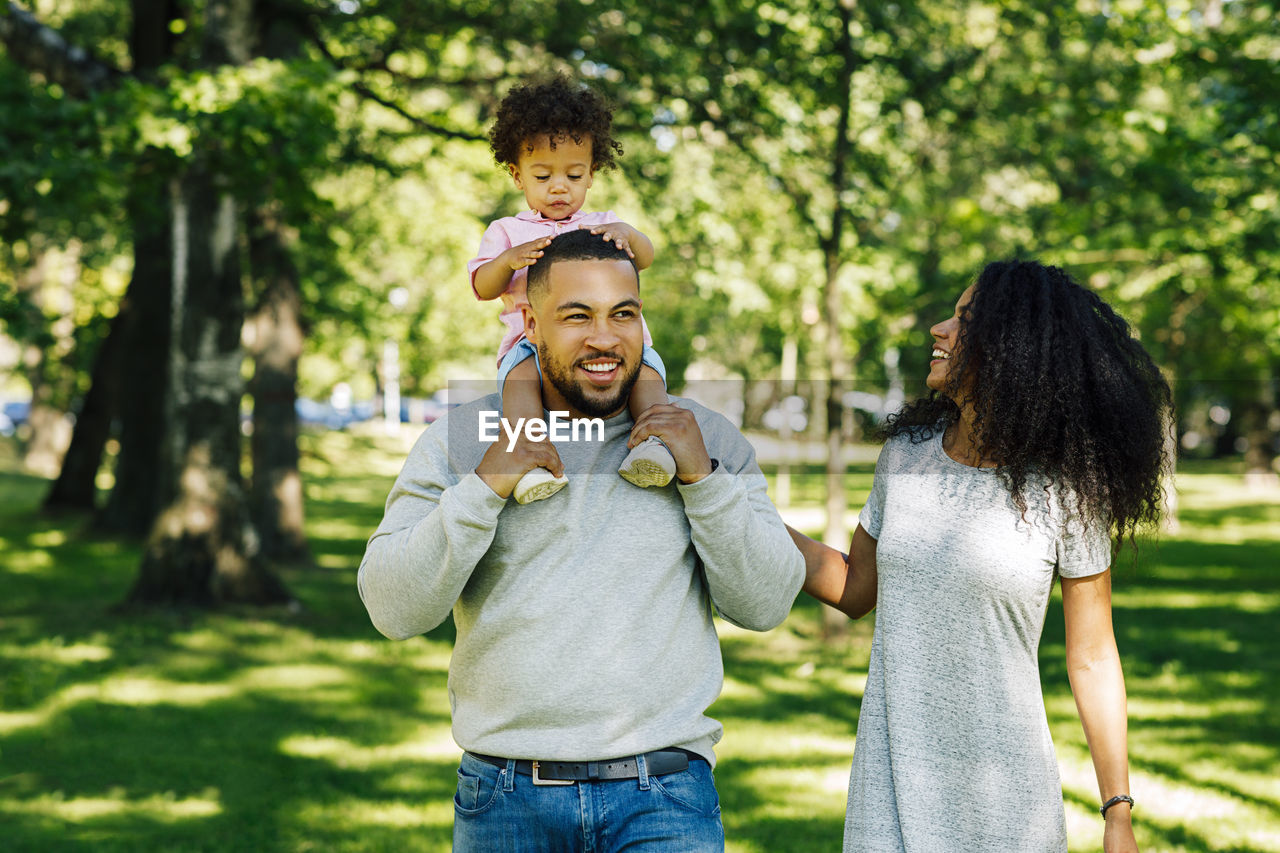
630, 239
491, 279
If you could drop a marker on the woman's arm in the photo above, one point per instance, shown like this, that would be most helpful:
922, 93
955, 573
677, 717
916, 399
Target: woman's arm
1093, 666
846, 583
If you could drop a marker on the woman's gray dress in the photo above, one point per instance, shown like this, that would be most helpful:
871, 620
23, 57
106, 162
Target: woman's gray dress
953, 751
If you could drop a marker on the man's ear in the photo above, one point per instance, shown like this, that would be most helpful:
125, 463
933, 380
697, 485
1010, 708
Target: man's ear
530, 324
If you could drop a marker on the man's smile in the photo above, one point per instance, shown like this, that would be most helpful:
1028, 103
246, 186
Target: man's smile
601, 370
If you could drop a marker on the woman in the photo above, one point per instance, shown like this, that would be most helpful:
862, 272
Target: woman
1042, 438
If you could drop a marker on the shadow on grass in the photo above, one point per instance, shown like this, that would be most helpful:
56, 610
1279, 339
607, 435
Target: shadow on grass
1196, 627
233, 729
220, 775
752, 811
248, 729
1252, 513
229, 734
1163, 836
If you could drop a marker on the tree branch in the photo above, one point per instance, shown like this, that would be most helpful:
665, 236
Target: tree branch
362, 89
418, 122
40, 48
799, 197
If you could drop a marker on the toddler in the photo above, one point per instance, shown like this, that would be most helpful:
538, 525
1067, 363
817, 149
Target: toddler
552, 136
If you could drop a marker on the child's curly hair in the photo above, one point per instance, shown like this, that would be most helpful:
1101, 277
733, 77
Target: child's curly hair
554, 107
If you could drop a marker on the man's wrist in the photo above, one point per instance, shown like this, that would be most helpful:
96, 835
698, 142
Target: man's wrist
488, 480
500, 482
708, 470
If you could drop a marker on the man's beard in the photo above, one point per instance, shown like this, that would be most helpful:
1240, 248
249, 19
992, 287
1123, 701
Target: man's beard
573, 392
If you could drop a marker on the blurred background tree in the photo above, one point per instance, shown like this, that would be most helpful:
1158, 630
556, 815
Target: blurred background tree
820, 179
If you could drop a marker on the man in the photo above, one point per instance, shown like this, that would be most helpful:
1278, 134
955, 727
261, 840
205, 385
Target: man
586, 656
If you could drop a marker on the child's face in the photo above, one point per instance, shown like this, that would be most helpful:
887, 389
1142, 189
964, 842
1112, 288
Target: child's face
554, 180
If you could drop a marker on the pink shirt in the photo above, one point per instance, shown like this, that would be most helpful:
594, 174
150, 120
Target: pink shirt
510, 231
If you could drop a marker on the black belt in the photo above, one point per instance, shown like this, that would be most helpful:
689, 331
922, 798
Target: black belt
567, 772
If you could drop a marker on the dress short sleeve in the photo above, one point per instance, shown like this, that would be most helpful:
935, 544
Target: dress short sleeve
1082, 551
872, 515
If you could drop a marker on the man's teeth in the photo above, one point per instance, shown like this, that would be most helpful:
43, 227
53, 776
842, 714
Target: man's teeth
937, 353
601, 368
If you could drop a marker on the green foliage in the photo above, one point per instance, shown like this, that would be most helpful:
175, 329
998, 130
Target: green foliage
1134, 143
267, 127
55, 181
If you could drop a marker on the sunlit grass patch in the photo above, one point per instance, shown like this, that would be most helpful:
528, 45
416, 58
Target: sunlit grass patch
56, 651
26, 562
165, 808
429, 744
276, 729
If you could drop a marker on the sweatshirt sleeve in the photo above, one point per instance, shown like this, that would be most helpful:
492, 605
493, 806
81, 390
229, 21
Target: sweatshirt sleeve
753, 569
434, 531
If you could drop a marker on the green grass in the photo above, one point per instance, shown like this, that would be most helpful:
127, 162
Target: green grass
305, 730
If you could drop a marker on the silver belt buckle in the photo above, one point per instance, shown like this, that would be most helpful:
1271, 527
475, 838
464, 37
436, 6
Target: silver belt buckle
538, 780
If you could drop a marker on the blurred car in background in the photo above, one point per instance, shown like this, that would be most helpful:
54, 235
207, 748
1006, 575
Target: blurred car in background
340, 414
14, 414
326, 414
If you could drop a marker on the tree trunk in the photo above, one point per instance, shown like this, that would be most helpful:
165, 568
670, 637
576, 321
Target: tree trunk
76, 486
201, 550
276, 497
837, 532
1169, 481
1260, 422
135, 499
276, 336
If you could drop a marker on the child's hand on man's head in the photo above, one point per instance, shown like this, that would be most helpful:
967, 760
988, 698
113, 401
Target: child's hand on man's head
526, 254
620, 233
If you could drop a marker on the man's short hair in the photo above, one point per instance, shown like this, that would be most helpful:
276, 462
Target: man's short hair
580, 245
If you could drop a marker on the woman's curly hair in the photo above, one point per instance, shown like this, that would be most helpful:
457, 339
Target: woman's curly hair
1061, 390
554, 107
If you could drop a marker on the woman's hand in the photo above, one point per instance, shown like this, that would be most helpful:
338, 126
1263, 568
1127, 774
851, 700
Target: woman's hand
1118, 835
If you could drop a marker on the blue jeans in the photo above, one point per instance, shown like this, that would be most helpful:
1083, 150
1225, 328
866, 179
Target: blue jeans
497, 810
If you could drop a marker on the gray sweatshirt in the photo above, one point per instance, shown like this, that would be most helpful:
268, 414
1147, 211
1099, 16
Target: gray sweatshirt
584, 626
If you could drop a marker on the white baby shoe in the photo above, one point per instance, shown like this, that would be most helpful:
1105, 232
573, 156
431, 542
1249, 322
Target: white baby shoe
649, 464
538, 484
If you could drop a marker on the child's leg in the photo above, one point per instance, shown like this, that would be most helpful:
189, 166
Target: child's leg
649, 463
522, 398
649, 390
522, 392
